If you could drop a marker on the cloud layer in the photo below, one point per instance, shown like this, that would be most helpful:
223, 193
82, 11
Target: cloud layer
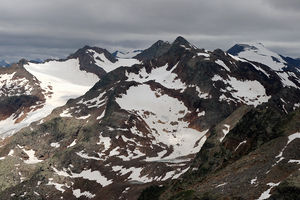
42, 29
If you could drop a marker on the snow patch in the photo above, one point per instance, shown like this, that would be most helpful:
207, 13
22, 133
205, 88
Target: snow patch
240, 144
66, 113
86, 156
162, 111
221, 63
11, 152
203, 54
290, 139
87, 174
31, 154
77, 193
266, 194
72, 144
225, 131
93, 176
221, 185
286, 82
253, 181
84, 117
294, 161
58, 186
55, 144
105, 141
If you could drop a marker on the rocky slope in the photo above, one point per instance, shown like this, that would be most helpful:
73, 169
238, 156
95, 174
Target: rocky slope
258, 158
204, 117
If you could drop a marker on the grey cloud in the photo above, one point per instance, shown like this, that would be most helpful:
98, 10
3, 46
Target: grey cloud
55, 27
287, 5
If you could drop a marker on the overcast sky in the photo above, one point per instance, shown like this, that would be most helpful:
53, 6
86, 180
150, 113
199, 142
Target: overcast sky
56, 28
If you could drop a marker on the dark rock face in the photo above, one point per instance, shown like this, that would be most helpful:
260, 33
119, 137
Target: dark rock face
236, 49
12, 104
248, 163
288, 189
186, 123
156, 50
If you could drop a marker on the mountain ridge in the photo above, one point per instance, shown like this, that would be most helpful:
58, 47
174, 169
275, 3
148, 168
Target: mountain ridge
178, 113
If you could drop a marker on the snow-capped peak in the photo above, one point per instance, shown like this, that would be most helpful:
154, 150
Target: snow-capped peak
257, 52
182, 42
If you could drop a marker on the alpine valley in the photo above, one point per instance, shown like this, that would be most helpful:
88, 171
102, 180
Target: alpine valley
169, 122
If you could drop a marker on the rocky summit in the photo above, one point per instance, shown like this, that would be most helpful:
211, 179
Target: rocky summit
173, 121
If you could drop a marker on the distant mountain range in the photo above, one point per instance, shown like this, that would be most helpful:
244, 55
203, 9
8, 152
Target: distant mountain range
173, 121
3, 63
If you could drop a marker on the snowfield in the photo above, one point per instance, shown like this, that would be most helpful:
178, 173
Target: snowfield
60, 81
258, 53
163, 111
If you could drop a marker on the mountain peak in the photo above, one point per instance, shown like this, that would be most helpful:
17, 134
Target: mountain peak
23, 61
181, 41
238, 48
82, 52
259, 53
157, 49
160, 43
